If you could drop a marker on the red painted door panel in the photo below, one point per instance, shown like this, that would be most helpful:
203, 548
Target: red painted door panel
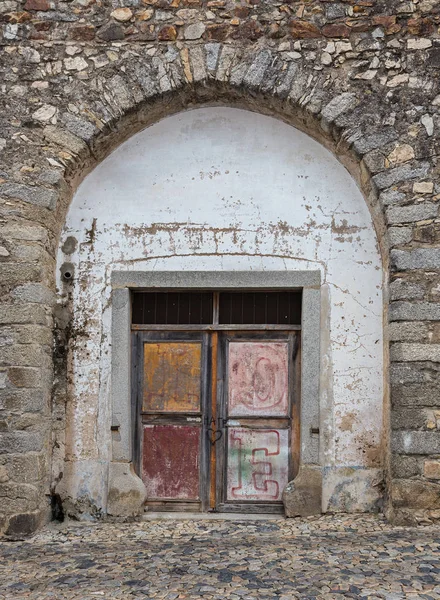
171, 462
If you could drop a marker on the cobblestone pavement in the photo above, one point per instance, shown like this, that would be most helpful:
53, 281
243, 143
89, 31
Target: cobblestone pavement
327, 557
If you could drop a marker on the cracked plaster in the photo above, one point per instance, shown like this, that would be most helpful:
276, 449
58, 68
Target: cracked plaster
240, 192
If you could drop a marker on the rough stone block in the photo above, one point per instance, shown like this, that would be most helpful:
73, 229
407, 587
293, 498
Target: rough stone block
416, 394
27, 252
198, 64
121, 92
79, 127
126, 492
417, 311
418, 258
25, 524
423, 187
256, 71
337, 106
415, 493
303, 496
408, 418
22, 313
25, 355
427, 233
391, 196
25, 468
18, 442
25, 334
411, 213
19, 497
25, 377
381, 138
39, 196
351, 489
415, 442
375, 161
15, 273
406, 290
68, 141
238, 71
25, 400
399, 236
34, 292
212, 55
28, 233
431, 469
399, 174
415, 352
403, 467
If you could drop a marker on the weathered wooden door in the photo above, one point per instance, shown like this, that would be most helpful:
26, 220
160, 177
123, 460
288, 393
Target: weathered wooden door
215, 410
171, 373
260, 420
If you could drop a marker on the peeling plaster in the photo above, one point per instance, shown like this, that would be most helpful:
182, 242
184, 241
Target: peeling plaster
226, 189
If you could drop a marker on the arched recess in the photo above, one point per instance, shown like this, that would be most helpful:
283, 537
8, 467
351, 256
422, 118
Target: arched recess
92, 117
221, 189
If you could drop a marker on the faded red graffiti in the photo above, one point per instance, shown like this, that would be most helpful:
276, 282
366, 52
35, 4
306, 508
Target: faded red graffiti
258, 464
258, 378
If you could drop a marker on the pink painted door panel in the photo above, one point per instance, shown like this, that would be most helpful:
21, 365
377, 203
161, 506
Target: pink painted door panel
171, 463
257, 464
258, 379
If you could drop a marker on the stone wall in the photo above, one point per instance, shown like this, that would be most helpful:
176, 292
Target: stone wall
78, 78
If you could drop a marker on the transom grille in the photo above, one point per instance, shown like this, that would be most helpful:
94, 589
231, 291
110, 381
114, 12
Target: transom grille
172, 308
260, 308
223, 308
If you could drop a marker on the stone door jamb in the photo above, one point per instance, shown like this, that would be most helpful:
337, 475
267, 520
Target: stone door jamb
126, 490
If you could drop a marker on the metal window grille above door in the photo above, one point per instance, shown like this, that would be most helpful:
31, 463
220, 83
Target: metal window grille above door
215, 398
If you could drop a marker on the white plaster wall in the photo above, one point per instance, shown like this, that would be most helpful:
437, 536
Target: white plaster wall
226, 189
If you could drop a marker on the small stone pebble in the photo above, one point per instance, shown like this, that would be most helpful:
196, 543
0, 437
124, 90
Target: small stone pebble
329, 557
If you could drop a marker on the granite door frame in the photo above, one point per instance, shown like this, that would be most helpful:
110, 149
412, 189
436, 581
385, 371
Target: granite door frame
122, 477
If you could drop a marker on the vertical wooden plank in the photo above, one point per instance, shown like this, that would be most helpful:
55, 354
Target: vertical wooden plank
212, 495
135, 393
295, 392
221, 406
205, 447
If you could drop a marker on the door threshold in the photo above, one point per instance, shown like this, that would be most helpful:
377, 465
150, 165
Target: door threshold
187, 516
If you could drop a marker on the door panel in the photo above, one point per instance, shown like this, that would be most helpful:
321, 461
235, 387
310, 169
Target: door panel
258, 374
172, 392
257, 405
172, 377
258, 464
171, 464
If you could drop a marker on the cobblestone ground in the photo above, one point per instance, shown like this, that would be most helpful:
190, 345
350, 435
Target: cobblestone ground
327, 557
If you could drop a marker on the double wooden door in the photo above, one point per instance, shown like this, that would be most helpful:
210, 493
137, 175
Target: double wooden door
216, 418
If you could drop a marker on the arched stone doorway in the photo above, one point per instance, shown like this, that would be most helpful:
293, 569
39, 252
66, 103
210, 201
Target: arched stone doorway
224, 190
